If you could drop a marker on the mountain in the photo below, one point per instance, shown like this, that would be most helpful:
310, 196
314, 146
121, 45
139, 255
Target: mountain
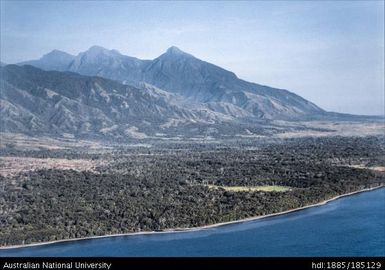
98, 61
55, 60
38, 102
199, 82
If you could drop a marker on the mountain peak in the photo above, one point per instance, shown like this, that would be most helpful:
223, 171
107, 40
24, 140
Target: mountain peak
98, 50
97, 47
173, 50
57, 53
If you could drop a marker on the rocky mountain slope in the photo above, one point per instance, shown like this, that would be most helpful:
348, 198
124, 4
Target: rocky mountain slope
34, 101
198, 81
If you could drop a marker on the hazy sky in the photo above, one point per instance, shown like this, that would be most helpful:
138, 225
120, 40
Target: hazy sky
331, 53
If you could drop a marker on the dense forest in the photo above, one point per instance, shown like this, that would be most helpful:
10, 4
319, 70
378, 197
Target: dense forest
167, 185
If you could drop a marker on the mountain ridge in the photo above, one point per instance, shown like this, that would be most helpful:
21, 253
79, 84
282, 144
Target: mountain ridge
54, 60
198, 81
102, 94
36, 102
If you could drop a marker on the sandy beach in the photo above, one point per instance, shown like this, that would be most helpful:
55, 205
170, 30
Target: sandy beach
181, 230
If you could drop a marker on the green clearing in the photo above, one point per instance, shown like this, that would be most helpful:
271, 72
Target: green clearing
252, 188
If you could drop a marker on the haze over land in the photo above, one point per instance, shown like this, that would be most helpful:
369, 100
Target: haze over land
331, 53
175, 94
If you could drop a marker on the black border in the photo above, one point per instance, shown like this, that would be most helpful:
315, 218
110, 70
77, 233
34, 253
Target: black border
298, 263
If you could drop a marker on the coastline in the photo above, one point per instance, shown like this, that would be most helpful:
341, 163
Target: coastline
191, 229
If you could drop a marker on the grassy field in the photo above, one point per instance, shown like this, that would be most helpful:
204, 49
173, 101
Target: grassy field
252, 188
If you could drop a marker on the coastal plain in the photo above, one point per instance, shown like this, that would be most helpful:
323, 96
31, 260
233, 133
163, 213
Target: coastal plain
54, 190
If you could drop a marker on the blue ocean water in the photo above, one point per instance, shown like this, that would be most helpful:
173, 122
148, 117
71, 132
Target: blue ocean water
350, 226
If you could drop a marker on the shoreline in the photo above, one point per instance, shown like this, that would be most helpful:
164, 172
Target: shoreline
192, 229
